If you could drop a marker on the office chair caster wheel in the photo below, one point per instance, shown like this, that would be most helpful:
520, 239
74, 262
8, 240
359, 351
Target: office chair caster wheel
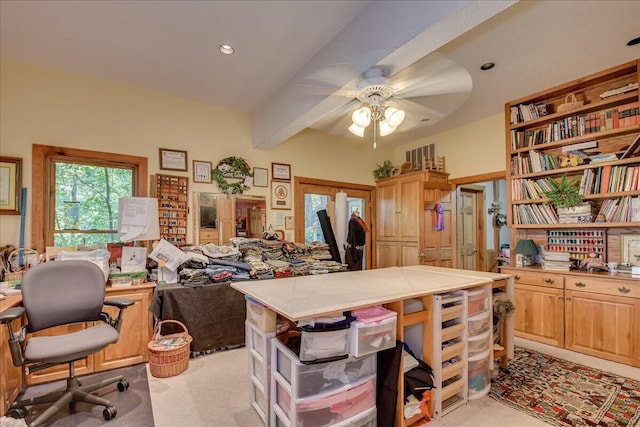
123, 385
109, 412
17, 413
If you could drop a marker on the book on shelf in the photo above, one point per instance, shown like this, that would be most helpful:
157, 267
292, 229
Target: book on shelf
579, 146
604, 157
619, 90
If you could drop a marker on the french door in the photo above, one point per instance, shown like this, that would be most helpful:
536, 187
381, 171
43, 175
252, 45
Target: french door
312, 195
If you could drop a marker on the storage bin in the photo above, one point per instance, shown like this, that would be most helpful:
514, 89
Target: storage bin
479, 374
477, 301
317, 345
479, 324
261, 316
260, 399
328, 408
308, 379
367, 338
367, 419
257, 340
478, 344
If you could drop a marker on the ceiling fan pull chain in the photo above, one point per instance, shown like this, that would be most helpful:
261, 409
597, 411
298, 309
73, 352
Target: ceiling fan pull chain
375, 133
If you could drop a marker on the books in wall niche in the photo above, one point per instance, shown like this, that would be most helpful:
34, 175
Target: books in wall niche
618, 90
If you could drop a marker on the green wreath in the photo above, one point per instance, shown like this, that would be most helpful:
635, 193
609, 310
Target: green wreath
235, 168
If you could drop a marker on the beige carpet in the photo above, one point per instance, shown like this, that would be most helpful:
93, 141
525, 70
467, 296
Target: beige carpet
214, 391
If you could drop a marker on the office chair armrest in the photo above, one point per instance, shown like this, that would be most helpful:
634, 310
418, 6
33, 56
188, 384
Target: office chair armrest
119, 302
11, 314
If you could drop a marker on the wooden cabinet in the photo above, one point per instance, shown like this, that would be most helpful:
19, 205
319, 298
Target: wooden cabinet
591, 313
10, 376
172, 193
130, 349
404, 228
438, 245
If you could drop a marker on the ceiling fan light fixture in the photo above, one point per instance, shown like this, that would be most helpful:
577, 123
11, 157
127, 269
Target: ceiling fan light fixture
386, 128
356, 130
393, 116
361, 117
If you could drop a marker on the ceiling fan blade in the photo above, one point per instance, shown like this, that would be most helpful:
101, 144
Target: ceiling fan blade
338, 79
434, 74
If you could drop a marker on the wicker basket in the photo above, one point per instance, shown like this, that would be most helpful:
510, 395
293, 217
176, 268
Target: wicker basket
168, 362
570, 102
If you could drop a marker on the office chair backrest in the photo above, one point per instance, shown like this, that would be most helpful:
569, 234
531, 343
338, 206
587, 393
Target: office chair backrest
61, 292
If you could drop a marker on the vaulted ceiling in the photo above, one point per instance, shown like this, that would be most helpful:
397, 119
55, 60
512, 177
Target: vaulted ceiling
172, 46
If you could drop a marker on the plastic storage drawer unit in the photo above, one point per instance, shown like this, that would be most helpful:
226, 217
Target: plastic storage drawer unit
326, 409
317, 345
260, 316
477, 301
309, 379
367, 338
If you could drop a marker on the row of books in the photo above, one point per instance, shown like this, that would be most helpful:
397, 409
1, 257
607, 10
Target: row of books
534, 214
535, 161
529, 189
578, 125
552, 260
610, 179
624, 209
526, 112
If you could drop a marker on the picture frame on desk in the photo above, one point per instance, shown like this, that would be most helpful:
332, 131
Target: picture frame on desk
10, 185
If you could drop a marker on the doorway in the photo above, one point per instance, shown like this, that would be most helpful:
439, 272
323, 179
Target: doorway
482, 235
312, 195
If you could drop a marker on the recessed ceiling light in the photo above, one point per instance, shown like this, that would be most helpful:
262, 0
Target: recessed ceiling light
226, 49
487, 66
633, 42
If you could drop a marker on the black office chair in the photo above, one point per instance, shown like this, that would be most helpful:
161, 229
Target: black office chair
59, 293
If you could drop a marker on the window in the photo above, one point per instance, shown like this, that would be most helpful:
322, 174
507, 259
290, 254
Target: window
76, 192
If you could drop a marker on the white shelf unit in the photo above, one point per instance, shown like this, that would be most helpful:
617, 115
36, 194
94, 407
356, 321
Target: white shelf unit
339, 393
479, 341
450, 352
259, 346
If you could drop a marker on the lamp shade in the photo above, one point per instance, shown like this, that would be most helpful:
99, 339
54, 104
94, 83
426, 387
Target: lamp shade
526, 247
361, 117
356, 130
394, 116
385, 128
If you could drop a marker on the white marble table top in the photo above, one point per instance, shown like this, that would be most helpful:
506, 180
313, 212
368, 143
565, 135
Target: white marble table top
303, 297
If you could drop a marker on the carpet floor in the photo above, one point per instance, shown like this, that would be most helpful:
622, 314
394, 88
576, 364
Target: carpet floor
564, 393
133, 405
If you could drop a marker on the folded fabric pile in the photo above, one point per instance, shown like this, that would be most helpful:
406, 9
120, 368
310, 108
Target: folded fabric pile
318, 250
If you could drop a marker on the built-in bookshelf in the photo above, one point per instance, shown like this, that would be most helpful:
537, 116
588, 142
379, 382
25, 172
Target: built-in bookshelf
588, 129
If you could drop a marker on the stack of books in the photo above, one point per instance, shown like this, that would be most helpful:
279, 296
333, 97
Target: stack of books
552, 260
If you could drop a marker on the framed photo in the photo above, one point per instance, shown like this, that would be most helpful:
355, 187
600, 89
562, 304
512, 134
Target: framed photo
280, 195
281, 171
630, 249
202, 171
10, 185
173, 160
260, 177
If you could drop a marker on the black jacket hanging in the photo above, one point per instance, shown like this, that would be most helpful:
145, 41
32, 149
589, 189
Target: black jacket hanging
356, 238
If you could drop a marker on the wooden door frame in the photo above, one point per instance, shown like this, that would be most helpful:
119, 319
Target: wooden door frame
298, 209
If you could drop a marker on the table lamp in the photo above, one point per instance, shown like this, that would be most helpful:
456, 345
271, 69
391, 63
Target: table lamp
526, 248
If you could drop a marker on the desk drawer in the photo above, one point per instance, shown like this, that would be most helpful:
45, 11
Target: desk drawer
604, 286
539, 278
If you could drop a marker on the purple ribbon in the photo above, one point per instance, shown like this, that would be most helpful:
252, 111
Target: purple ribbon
439, 217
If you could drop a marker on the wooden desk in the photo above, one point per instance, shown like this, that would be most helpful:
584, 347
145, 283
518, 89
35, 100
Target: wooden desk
130, 349
298, 298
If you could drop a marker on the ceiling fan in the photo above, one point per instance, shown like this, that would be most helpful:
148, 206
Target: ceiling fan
418, 95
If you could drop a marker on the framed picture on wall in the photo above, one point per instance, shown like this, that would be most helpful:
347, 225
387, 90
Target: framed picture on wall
10, 185
281, 171
260, 177
173, 160
630, 249
280, 195
202, 171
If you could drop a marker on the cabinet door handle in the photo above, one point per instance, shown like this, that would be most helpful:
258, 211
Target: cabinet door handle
624, 290
568, 299
516, 277
549, 281
580, 284
561, 298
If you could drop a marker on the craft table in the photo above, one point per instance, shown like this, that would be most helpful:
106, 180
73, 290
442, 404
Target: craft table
304, 297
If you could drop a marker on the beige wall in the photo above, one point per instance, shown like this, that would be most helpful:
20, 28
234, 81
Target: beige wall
472, 149
45, 106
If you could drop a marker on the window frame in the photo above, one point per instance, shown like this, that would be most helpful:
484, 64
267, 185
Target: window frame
42, 173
